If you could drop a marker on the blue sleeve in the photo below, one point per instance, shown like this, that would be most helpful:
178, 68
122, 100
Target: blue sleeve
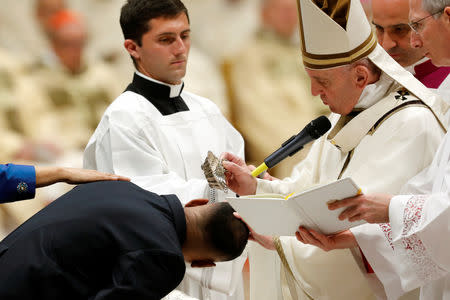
17, 182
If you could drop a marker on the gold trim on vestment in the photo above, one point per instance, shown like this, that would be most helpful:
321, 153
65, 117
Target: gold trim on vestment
280, 251
300, 23
395, 110
346, 163
277, 243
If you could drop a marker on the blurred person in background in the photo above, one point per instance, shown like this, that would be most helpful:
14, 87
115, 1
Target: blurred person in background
26, 39
104, 32
21, 139
222, 27
390, 18
78, 90
214, 43
202, 68
44, 10
22, 105
32, 129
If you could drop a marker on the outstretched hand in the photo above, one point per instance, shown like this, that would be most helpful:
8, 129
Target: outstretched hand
265, 241
341, 240
49, 175
373, 208
238, 176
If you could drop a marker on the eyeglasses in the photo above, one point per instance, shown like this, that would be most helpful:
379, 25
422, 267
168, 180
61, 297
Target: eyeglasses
415, 26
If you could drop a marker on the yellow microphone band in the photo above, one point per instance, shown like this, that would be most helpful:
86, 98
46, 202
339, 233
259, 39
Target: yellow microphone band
262, 167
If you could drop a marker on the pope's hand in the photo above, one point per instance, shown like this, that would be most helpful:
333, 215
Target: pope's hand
266, 175
341, 240
265, 241
238, 176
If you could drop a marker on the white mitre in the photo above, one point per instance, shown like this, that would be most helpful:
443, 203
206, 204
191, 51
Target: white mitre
335, 33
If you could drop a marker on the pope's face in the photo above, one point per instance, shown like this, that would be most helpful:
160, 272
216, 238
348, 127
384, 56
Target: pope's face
164, 49
433, 34
335, 87
390, 18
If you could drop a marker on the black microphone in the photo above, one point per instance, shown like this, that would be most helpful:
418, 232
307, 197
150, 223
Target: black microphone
315, 129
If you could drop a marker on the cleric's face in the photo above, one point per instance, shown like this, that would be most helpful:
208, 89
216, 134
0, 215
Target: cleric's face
390, 18
164, 49
432, 33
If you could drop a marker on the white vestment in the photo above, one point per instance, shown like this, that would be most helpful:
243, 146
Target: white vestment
444, 92
379, 156
420, 233
162, 153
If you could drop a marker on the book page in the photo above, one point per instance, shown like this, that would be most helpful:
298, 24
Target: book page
313, 203
267, 216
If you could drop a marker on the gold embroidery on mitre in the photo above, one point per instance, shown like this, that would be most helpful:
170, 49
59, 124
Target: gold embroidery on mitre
315, 61
337, 10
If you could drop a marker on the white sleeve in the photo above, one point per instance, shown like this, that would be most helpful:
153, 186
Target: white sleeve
420, 238
122, 151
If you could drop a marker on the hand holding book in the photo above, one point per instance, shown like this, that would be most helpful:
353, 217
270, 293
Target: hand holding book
341, 240
273, 215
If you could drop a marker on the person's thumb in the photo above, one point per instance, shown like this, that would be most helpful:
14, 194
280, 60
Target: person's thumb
230, 167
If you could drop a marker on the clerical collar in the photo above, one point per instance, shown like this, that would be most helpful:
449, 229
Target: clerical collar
165, 97
175, 89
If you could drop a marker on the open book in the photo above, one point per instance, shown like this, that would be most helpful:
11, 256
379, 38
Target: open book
272, 214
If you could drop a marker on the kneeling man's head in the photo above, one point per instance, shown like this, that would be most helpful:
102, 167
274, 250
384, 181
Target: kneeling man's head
214, 234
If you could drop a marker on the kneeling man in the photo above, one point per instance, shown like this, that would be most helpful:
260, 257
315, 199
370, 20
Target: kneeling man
114, 240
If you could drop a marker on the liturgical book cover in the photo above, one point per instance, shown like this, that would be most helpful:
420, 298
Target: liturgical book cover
277, 215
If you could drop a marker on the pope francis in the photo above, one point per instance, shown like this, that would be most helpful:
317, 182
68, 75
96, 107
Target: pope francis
387, 127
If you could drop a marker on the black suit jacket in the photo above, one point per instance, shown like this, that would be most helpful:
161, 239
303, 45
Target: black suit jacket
104, 240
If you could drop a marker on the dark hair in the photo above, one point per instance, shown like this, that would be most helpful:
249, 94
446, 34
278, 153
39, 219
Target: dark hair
136, 14
226, 234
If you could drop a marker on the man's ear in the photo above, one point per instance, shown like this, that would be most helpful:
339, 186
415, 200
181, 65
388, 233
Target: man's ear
131, 47
361, 76
447, 14
202, 264
196, 202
